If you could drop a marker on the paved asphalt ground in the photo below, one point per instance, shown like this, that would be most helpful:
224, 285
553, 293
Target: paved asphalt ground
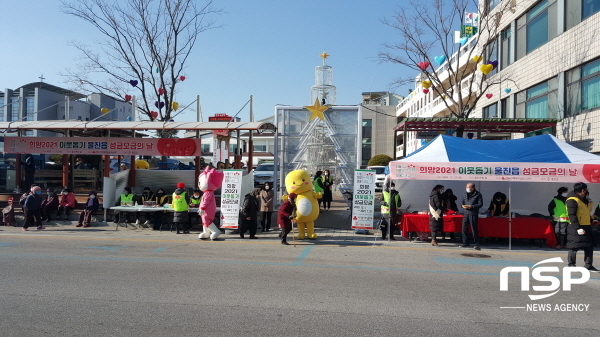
67, 281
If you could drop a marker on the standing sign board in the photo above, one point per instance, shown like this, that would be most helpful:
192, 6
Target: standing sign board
363, 202
231, 191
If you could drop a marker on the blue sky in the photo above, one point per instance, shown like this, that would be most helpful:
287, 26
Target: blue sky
266, 48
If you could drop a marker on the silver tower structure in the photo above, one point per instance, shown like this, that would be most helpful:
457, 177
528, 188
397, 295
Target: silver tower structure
323, 90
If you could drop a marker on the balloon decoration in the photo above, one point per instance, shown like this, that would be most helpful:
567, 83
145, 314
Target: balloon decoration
476, 58
133, 83
443, 96
463, 40
159, 105
175, 106
486, 68
104, 110
161, 91
153, 114
439, 59
127, 98
129, 118
489, 95
424, 65
507, 90
425, 91
156, 70
182, 78
426, 84
494, 64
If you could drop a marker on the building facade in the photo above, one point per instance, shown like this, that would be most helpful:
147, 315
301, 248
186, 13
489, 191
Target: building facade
378, 114
548, 68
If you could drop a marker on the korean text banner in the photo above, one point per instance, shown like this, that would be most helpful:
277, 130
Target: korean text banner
104, 146
525, 172
363, 202
231, 192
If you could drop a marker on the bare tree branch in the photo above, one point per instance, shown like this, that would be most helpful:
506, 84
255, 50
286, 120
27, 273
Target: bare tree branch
148, 41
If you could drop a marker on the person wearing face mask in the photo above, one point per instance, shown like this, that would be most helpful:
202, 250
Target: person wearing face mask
318, 185
471, 202
327, 191
147, 195
195, 199
91, 206
266, 206
436, 213
49, 205
67, 204
32, 205
579, 229
558, 212
390, 209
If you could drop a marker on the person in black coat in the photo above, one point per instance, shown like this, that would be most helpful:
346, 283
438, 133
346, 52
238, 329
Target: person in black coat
471, 202
436, 212
33, 209
91, 205
249, 216
579, 230
449, 203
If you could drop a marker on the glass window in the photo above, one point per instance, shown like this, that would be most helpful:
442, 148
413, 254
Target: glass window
205, 148
506, 52
259, 148
490, 111
1, 109
492, 4
537, 26
29, 110
14, 110
537, 102
590, 7
590, 86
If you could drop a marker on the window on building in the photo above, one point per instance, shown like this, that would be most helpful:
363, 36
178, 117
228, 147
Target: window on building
505, 49
536, 27
259, 148
14, 110
590, 7
29, 106
367, 127
205, 148
492, 4
29, 133
583, 88
490, 111
232, 148
1, 109
504, 108
539, 101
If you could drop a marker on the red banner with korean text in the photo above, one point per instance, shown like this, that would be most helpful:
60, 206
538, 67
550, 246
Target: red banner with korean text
104, 146
522, 172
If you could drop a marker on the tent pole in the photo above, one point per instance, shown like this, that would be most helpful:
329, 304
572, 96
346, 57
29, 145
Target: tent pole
510, 216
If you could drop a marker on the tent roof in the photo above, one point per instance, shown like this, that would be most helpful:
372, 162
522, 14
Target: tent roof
538, 149
515, 125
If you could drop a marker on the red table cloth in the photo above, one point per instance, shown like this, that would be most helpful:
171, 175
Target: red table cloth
522, 227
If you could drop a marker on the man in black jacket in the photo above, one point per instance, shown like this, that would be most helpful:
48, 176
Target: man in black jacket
579, 230
472, 201
248, 213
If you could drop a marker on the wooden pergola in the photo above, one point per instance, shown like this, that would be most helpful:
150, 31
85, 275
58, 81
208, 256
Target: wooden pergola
126, 129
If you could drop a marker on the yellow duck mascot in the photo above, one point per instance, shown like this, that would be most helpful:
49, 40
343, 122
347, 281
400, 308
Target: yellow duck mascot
307, 208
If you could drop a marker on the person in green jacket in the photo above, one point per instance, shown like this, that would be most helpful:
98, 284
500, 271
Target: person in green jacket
319, 186
126, 199
558, 211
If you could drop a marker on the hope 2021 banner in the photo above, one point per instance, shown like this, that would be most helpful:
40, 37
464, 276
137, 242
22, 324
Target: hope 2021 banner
524, 172
363, 202
231, 192
104, 146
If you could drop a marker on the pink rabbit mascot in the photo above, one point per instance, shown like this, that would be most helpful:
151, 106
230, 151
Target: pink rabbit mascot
208, 182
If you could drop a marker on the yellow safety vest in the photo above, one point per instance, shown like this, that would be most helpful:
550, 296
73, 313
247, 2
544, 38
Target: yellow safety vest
583, 212
196, 201
179, 204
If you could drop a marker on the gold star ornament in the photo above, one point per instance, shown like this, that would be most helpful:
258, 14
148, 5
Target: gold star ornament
324, 55
317, 110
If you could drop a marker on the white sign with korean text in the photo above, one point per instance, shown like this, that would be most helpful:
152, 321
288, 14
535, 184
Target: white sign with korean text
231, 191
363, 202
